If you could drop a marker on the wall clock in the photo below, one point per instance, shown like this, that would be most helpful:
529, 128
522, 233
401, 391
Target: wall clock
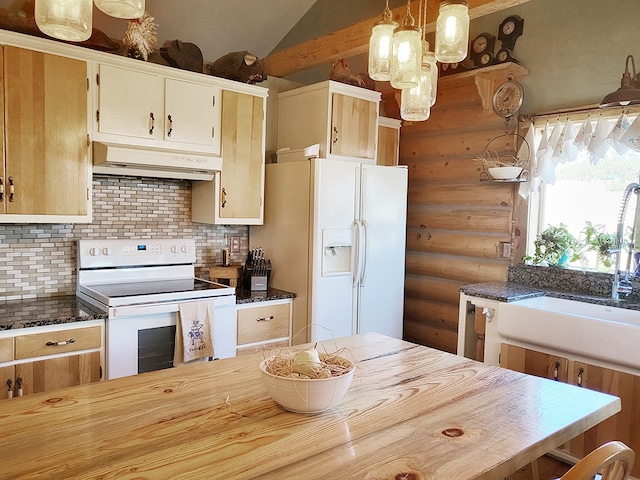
510, 29
507, 98
504, 55
482, 45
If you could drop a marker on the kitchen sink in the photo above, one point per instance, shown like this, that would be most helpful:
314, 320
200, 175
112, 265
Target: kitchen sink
601, 332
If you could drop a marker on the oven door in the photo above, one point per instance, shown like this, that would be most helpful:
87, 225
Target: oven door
141, 338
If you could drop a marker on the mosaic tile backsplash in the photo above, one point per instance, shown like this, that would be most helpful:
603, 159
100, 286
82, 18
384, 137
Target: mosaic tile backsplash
39, 260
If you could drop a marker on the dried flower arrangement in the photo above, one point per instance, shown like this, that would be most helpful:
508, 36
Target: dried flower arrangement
493, 160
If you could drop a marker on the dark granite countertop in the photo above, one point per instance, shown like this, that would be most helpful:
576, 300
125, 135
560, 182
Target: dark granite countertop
37, 312
512, 292
16, 314
247, 296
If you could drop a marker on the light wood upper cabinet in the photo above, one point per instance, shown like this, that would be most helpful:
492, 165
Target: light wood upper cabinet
45, 171
342, 118
235, 197
156, 111
388, 141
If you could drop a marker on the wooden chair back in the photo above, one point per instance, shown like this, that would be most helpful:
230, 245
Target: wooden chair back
613, 460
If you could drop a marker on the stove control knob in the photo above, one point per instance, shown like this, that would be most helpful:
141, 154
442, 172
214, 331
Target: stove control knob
184, 249
94, 251
106, 251
174, 249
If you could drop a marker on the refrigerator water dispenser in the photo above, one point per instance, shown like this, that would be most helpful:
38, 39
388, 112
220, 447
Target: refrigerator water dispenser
336, 248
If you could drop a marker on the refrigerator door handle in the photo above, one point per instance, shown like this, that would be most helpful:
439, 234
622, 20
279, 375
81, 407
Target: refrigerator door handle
363, 253
355, 257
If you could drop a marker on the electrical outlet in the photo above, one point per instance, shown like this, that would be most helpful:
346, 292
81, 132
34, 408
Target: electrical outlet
505, 250
235, 244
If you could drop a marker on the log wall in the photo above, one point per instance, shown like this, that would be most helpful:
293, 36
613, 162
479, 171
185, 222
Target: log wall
455, 222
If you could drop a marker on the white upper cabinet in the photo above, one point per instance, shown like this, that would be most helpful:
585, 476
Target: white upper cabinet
156, 111
192, 114
341, 118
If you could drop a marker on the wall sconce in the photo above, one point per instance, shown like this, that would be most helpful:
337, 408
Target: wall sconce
628, 93
406, 56
69, 20
380, 47
452, 31
127, 9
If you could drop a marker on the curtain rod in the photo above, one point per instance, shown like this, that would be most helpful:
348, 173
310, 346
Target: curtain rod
582, 110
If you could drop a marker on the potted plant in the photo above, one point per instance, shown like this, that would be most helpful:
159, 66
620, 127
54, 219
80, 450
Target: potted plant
555, 247
601, 242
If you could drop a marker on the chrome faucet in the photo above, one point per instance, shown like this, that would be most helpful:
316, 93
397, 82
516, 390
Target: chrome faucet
622, 283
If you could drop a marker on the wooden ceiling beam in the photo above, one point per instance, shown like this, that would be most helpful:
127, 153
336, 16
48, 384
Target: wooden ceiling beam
354, 40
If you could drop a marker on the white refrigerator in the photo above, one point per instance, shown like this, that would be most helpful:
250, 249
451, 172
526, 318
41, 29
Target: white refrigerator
335, 233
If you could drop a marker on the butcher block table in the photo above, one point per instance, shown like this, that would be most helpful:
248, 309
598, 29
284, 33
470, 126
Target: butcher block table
411, 412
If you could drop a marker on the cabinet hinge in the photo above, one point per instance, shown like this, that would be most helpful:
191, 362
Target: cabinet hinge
213, 132
88, 140
87, 193
98, 116
500, 358
213, 101
87, 84
97, 79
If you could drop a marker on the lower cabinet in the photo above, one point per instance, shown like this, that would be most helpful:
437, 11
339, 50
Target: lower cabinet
624, 426
48, 360
264, 325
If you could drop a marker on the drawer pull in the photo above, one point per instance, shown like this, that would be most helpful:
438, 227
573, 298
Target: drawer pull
58, 344
265, 319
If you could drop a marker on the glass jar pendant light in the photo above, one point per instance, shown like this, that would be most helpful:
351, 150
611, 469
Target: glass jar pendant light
429, 57
65, 19
406, 56
121, 8
415, 104
452, 31
380, 47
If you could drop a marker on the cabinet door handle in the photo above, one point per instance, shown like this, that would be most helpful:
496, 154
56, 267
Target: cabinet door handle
59, 344
224, 197
265, 319
152, 123
1, 189
11, 189
555, 371
579, 381
170, 125
337, 137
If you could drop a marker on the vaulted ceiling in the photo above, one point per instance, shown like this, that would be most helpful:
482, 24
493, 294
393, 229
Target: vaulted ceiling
221, 26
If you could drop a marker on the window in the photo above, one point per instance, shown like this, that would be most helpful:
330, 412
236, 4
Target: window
586, 189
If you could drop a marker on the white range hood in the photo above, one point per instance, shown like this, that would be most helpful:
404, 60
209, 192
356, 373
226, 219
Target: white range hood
118, 159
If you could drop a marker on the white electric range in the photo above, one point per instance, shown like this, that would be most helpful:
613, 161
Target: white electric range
140, 283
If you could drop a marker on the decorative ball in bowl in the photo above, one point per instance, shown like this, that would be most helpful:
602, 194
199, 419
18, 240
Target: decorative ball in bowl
505, 173
307, 381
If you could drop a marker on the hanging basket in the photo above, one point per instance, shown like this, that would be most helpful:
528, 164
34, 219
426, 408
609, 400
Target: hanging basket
500, 159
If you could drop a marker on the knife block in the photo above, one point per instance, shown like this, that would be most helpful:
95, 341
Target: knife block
255, 281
